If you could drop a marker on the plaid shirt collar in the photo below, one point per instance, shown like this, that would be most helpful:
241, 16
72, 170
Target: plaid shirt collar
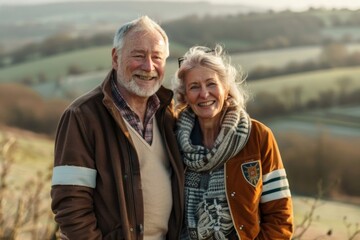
146, 130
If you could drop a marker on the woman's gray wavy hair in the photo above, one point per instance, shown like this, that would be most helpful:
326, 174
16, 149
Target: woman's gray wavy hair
143, 23
217, 60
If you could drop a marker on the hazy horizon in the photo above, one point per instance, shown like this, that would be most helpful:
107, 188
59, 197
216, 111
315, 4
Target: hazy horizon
271, 4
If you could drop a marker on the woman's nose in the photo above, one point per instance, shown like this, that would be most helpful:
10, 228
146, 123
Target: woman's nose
204, 92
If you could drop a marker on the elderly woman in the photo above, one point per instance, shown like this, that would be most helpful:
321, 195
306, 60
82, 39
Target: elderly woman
235, 181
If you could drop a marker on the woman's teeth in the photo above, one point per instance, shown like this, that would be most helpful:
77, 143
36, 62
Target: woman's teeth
204, 104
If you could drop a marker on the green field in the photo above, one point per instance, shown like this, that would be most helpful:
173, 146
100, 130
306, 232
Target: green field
91, 60
281, 57
310, 83
56, 67
340, 121
100, 58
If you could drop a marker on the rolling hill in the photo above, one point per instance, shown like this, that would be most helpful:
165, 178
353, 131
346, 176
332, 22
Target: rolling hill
25, 23
55, 70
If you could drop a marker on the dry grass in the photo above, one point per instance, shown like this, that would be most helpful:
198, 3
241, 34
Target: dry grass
316, 218
24, 199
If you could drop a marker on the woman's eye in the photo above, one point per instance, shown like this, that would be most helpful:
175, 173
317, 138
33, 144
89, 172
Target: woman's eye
193, 87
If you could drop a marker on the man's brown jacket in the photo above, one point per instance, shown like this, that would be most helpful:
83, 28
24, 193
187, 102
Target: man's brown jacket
96, 191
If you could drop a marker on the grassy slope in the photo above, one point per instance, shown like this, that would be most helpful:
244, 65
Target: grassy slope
27, 183
32, 153
328, 215
35, 152
341, 122
99, 57
311, 83
93, 59
57, 66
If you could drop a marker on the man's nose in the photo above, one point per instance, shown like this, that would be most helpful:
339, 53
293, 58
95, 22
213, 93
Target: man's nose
148, 64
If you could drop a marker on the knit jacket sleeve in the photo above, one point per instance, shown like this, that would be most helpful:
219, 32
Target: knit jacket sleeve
276, 204
74, 179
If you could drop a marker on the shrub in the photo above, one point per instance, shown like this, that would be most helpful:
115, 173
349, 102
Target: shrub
23, 108
24, 210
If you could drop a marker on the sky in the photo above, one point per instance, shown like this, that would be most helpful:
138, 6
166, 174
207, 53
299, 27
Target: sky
273, 4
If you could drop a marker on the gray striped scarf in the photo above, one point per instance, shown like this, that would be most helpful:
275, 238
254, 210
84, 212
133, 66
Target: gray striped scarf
207, 212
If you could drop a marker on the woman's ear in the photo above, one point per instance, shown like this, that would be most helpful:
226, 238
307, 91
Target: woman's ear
227, 94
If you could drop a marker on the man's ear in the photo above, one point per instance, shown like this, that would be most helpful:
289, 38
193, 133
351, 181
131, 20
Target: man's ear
114, 57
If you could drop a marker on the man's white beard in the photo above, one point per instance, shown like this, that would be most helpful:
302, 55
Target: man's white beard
132, 87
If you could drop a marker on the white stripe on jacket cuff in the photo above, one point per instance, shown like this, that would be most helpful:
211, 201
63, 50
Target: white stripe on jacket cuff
74, 175
274, 174
275, 186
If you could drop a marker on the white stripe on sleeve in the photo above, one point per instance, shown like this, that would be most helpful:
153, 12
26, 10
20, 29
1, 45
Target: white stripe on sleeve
275, 186
74, 175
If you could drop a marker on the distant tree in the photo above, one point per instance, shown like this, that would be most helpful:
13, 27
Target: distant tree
321, 157
334, 54
266, 105
25, 53
354, 59
261, 71
291, 97
22, 107
27, 81
53, 110
327, 98
335, 21
266, 30
75, 69
101, 39
354, 19
344, 84
353, 97
298, 91
2, 56
311, 104
42, 77
55, 44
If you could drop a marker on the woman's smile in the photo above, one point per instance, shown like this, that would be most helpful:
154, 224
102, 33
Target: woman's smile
207, 103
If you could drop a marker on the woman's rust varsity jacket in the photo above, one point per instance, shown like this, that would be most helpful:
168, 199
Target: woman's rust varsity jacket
257, 189
96, 191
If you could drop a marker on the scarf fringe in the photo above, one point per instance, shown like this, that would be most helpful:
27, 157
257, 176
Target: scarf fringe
208, 225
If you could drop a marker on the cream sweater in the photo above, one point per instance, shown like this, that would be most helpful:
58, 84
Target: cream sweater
156, 183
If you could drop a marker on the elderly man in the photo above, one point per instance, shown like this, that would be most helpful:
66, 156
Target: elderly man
117, 172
